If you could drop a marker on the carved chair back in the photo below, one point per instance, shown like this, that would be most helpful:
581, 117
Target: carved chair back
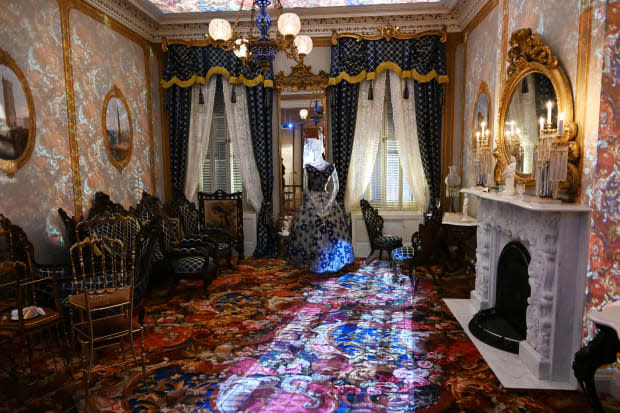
223, 211
372, 219
138, 242
427, 240
188, 214
14, 243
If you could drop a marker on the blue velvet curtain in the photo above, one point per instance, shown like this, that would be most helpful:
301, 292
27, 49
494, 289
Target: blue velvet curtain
423, 60
179, 101
343, 108
184, 66
429, 111
259, 104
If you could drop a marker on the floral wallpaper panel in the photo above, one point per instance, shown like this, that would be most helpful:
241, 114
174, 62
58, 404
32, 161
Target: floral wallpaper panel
30, 31
104, 58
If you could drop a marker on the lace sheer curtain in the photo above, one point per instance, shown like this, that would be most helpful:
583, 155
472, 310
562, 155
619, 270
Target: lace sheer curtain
201, 115
365, 141
406, 132
239, 131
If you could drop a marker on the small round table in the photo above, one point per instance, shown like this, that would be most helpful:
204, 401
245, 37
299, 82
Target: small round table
601, 350
457, 231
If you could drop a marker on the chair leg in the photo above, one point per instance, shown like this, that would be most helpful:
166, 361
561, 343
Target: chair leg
142, 355
372, 251
91, 355
141, 316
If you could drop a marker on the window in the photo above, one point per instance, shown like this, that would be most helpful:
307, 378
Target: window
388, 186
220, 168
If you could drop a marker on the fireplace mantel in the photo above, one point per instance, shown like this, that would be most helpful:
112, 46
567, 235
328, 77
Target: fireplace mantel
556, 236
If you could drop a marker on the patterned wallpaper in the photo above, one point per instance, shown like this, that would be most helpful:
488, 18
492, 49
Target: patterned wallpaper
103, 58
483, 53
30, 31
604, 194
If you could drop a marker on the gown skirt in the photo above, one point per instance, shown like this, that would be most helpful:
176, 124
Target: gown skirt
320, 243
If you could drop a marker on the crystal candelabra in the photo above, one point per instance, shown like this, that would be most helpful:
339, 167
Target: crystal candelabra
550, 160
483, 159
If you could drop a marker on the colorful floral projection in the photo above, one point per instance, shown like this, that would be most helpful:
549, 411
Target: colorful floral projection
604, 268
187, 6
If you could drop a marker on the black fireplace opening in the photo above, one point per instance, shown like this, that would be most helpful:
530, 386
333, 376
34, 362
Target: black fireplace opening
504, 325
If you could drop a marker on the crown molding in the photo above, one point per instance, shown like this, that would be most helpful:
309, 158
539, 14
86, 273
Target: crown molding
128, 15
150, 22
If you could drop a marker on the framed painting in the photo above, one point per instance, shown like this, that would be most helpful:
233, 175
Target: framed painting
117, 129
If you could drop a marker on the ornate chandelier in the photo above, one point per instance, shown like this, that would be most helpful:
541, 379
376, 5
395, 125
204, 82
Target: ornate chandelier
262, 48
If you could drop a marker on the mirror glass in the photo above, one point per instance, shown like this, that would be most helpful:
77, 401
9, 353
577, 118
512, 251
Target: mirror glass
303, 117
117, 128
528, 104
482, 112
15, 116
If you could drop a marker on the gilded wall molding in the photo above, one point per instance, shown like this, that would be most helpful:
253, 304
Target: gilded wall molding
389, 32
76, 179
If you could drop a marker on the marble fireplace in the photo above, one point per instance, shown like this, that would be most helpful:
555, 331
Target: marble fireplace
556, 237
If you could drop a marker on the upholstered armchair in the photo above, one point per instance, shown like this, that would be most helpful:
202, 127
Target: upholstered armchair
194, 230
222, 217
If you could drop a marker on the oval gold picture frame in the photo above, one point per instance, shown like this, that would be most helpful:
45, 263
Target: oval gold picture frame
11, 166
121, 133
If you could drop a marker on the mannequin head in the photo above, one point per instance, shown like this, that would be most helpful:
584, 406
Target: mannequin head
314, 153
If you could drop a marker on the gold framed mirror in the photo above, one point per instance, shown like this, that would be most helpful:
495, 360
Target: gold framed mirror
17, 117
117, 129
534, 78
482, 113
302, 114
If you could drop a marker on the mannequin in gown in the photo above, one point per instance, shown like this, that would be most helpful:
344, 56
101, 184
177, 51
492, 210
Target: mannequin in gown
319, 238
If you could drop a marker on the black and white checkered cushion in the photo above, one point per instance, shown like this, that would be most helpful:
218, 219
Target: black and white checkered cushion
403, 254
388, 241
189, 264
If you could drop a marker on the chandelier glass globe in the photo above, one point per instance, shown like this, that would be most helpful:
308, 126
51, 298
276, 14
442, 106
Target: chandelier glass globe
219, 29
289, 24
303, 44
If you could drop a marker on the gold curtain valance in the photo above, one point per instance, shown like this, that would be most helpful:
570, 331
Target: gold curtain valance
217, 70
403, 74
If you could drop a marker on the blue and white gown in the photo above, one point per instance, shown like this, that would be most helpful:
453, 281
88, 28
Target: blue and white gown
319, 238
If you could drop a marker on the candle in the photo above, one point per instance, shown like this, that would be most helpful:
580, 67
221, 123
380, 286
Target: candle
486, 141
549, 105
478, 138
542, 124
483, 124
560, 123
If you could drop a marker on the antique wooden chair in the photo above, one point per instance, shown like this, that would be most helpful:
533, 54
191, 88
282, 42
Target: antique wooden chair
187, 260
138, 240
222, 216
22, 287
103, 278
425, 248
374, 226
194, 230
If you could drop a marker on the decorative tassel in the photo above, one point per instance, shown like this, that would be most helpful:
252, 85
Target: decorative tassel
406, 91
201, 97
371, 93
233, 95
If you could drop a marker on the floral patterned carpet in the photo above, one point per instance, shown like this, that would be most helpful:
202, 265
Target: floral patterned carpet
272, 338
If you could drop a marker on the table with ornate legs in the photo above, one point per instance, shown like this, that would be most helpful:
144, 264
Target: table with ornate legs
601, 350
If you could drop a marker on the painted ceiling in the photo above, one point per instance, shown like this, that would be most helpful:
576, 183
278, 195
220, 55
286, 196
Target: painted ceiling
188, 6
